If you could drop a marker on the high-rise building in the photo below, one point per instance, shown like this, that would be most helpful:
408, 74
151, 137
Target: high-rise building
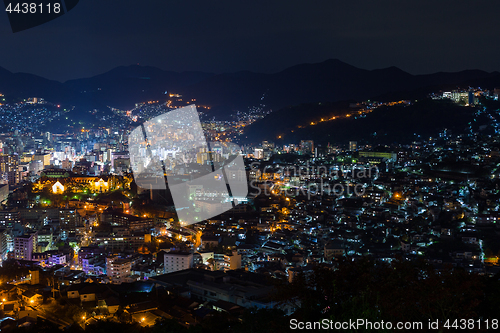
118, 269
45, 236
45, 158
70, 219
4, 192
202, 157
13, 177
463, 97
9, 168
258, 153
353, 145
232, 261
23, 247
67, 164
267, 145
177, 261
7, 163
3, 244
9, 217
35, 167
307, 146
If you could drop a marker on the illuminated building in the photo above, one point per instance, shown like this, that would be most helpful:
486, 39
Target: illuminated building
57, 188
57, 259
464, 97
258, 153
35, 167
67, 179
3, 244
307, 146
23, 247
232, 261
202, 156
118, 269
177, 261
101, 186
267, 145
4, 192
9, 167
376, 155
45, 158
121, 242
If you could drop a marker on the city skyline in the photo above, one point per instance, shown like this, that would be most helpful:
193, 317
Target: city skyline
307, 175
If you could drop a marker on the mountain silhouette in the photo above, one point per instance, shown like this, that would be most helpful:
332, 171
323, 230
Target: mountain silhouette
328, 81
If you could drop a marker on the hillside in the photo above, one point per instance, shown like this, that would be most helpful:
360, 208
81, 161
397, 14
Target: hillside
385, 125
328, 81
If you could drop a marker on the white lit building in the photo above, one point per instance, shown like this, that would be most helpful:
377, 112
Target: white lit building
177, 261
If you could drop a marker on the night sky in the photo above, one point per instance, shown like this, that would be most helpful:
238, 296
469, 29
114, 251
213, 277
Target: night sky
417, 36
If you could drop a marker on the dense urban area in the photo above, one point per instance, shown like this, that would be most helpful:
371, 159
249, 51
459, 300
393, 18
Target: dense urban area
407, 231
